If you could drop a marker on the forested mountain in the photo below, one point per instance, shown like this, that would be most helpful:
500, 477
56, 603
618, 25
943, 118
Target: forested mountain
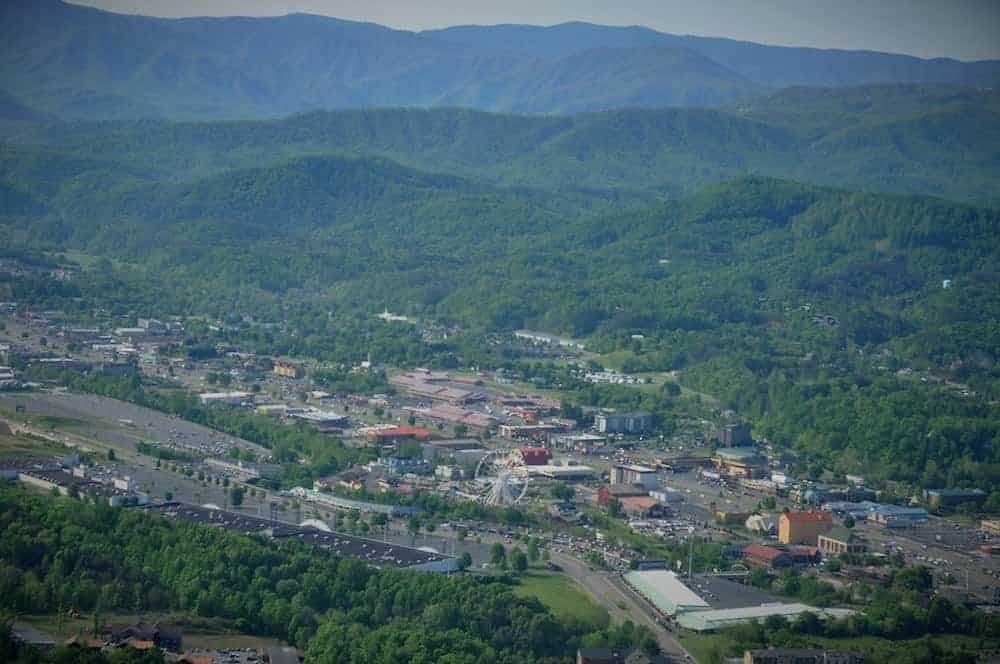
773, 66
940, 140
80, 63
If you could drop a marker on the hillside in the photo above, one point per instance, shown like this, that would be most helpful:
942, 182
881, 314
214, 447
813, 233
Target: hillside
938, 140
79, 63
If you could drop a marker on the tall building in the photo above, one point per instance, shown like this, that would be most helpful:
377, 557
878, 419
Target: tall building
638, 422
803, 527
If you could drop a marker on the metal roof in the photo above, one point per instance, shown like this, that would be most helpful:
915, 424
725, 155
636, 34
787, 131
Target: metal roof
666, 591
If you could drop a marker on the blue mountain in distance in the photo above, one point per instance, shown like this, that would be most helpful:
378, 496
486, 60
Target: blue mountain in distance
77, 62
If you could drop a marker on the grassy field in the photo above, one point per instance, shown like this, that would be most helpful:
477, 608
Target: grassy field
25, 446
561, 594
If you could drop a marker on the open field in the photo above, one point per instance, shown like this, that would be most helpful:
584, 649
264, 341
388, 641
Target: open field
563, 596
17, 446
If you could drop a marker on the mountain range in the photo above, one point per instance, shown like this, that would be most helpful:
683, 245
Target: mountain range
76, 62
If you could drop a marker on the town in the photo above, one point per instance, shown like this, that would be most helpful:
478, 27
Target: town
454, 471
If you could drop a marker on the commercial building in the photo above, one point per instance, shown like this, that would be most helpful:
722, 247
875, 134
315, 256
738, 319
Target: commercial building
642, 507
535, 456
944, 498
738, 462
322, 420
762, 524
288, 369
402, 466
803, 527
635, 474
446, 449
566, 472
665, 591
529, 431
766, 557
631, 423
893, 516
606, 494
229, 398
707, 621
839, 541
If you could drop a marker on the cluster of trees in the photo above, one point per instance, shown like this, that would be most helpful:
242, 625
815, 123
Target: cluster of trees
60, 553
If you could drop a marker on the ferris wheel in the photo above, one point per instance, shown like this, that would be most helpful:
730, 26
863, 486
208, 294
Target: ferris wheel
502, 477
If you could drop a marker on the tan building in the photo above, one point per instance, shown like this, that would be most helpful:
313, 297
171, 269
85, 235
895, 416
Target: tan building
803, 527
990, 527
288, 369
839, 541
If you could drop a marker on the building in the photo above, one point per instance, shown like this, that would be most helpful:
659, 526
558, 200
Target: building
229, 398
738, 462
535, 456
801, 656
766, 557
736, 435
566, 472
803, 527
630, 423
731, 518
448, 473
398, 435
287, 369
990, 527
840, 541
321, 420
642, 507
708, 621
529, 431
666, 592
446, 449
402, 466
944, 498
893, 516
606, 494
635, 474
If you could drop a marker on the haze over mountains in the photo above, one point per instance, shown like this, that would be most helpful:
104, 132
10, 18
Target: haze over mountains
80, 63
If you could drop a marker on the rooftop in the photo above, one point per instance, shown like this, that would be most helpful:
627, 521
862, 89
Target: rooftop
807, 517
665, 591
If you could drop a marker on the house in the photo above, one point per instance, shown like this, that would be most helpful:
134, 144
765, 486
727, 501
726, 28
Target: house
803, 527
839, 541
766, 557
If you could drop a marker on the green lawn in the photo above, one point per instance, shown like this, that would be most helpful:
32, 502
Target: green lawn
18, 446
561, 594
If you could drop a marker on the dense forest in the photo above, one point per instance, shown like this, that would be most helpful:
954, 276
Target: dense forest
58, 553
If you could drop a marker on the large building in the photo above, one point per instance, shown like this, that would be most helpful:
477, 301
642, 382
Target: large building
664, 590
766, 557
803, 527
288, 369
638, 422
635, 474
535, 456
893, 516
943, 498
740, 462
839, 541
707, 621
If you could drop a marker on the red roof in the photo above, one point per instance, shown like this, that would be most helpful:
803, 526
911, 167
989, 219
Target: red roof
808, 516
762, 552
404, 432
536, 456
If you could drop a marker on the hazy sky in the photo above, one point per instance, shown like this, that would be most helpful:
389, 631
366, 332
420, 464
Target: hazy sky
963, 29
